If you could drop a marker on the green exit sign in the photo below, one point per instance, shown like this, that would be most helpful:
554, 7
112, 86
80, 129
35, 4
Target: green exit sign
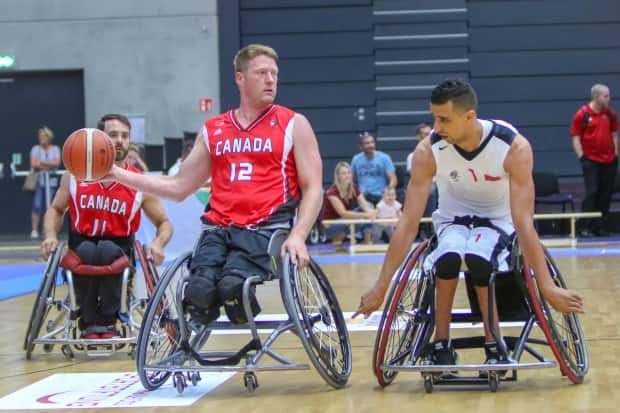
7, 61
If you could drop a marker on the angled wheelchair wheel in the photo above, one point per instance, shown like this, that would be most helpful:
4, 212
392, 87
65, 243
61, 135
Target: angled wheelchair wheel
313, 307
563, 331
406, 323
158, 339
41, 304
151, 275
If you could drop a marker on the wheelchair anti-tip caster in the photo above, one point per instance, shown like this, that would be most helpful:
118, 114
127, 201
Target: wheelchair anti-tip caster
132, 351
66, 351
493, 381
194, 378
250, 381
178, 381
428, 383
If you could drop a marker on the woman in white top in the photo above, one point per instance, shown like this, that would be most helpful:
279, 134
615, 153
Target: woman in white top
44, 157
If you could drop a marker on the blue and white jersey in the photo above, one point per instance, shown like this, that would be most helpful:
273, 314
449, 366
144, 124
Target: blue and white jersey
474, 183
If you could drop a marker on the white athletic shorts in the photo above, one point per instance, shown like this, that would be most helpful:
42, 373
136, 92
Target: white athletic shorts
461, 239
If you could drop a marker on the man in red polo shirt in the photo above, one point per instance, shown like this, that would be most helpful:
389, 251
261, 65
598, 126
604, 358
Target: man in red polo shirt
595, 139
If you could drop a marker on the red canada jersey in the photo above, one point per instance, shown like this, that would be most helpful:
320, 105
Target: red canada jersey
253, 171
99, 211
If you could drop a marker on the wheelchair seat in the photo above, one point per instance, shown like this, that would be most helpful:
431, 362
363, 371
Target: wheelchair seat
56, 312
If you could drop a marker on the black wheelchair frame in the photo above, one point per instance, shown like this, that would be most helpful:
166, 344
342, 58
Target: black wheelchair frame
58, 314
171, 344
407, 325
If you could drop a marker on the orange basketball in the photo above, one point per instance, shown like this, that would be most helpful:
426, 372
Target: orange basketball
88, 154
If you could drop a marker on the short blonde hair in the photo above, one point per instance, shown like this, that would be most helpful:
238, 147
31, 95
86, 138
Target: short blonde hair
47, 131
249, 52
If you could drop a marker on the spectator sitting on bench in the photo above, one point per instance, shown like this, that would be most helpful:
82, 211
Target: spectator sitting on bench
345, 200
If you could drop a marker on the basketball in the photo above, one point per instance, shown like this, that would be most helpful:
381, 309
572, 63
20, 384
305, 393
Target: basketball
88, 154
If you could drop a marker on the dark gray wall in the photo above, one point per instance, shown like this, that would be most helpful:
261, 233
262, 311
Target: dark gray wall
354, 65
534, 62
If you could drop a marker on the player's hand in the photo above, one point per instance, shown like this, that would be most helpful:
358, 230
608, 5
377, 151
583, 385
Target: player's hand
563, 300
296, 247
48, 246
156, 253
370, 301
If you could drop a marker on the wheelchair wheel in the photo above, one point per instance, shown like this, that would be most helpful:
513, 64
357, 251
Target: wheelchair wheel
40, 307
151, 276
313, 307
406, 323
563, 331
159, 335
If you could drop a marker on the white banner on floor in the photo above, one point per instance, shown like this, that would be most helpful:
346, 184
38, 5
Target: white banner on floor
105, 390
358, 324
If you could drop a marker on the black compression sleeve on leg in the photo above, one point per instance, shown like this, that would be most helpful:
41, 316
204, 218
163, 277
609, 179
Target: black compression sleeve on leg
448, 266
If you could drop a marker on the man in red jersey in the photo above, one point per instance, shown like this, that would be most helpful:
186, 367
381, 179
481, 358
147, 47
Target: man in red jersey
261, 158
104, 218
594, 131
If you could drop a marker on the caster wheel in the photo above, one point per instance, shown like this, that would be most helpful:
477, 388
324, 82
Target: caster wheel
48, 348
493, 381
250, 381
66, 351
50, 325
178, 381
195, 378
428, 384
132, 352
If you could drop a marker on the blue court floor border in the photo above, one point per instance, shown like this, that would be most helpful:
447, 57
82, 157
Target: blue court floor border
20, 279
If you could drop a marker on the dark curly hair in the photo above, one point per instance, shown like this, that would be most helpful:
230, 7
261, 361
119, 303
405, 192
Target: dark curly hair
459, 91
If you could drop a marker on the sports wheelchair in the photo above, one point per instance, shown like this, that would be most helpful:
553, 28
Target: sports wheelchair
56, 312
407, 324
170, 343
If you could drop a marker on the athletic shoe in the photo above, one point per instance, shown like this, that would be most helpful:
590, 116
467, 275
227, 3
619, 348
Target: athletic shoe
493, 356
443, 354
92, 332
110, 332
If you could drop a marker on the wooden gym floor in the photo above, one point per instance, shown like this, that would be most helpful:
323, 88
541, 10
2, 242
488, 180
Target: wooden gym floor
596, 278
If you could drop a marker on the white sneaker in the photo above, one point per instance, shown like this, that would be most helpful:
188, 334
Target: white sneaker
34, 234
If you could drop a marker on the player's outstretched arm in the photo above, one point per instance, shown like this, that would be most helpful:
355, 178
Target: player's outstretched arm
195, 170
156, 213
518, 164
53, 217
418, 189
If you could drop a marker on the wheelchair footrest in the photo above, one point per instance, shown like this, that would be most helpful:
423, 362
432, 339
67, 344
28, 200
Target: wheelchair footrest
472, 367
226, 361
237, 368
85, 342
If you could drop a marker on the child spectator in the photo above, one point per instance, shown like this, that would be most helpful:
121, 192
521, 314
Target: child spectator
388, 207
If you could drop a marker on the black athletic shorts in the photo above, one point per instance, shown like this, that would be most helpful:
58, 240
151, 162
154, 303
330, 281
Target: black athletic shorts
233, 250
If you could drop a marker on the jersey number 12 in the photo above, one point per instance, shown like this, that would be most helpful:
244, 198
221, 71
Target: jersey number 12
241, 171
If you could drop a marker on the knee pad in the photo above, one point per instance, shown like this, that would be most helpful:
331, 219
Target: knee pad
200, 297
230, 290
448, 266
108, 252
87, 251
479, 270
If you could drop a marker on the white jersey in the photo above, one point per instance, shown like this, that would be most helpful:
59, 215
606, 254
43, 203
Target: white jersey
474, 183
